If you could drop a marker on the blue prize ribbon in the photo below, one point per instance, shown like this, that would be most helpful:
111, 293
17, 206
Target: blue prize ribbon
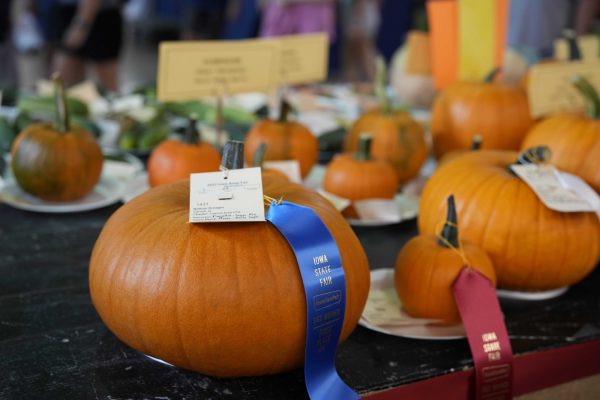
324, 282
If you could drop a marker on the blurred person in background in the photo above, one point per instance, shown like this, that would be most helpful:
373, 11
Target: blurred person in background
8, 75
204, 19
362, 23
88, 31
289, 17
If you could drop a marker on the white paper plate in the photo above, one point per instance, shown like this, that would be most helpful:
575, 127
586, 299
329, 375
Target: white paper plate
408, 206
531, 296
383, 279
108, 191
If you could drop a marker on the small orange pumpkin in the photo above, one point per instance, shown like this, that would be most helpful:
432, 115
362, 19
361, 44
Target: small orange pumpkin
499, 111
573, 138
56, 162
224, 299
356, 176
173, 160
427, 267
531, 246
285, 140
397, 138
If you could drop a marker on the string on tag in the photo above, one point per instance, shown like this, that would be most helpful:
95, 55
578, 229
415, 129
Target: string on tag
270, 200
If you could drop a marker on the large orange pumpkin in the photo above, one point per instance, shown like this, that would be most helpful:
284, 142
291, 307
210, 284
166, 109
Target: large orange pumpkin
224, 299
531, 246
397, 137
56, 162
356, 176
427, 267
500, 112
285, 140
573, 138
173, 160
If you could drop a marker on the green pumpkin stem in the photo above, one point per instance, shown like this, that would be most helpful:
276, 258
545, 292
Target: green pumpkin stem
60, 102
192, 134
364, 147
489, 78
380, 78
449, 236
259, 155
571, 37
233, 155
534, 155
476, 142
589, 93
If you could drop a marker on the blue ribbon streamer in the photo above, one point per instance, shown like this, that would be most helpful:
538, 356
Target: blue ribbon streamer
324, 282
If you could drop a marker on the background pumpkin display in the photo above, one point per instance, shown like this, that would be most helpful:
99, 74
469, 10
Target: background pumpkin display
258, 161
356, 176
531, 246
173, 160
427, 267
397, 138
499, 112
56, 162
573, 138
223, 299
285, 140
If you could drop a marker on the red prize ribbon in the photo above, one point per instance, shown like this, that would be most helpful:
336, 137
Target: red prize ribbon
483, 320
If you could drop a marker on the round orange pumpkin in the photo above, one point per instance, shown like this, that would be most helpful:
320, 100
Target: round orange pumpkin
397, 138
56, 162
500, 112
573, 138
427, 267
224, 299
356, 176
173, 160
285, 140
532, 247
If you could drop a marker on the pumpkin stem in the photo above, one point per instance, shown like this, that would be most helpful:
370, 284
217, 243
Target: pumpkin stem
259, 155
284, 109
534, 155
489, 78
380, 78
364, 147
589, 93
60, 103
476, 142
571, 37
233, 155
192, 134
449, 235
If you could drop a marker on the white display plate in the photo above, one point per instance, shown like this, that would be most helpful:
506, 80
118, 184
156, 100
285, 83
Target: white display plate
531, 296
421, 329
409, 209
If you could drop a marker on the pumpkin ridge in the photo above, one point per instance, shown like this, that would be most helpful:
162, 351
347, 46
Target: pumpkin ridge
177, 325
532, 271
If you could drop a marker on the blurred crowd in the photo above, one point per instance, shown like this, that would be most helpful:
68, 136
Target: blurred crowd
76, 37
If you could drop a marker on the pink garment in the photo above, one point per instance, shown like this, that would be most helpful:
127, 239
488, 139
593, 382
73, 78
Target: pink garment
298, 18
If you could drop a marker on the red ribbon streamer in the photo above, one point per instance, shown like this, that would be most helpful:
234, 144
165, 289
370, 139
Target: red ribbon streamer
483, 320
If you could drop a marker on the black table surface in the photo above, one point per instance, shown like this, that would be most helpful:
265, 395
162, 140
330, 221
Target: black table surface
53, 345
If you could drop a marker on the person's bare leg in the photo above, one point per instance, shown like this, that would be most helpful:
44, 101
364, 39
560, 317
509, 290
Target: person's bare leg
108, 75
71, 68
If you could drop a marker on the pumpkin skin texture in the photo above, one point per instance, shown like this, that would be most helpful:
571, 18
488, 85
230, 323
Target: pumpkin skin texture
173, 160
531, 246
397, 139
286, 140
54, 165
425, 272
224, 299
500, 113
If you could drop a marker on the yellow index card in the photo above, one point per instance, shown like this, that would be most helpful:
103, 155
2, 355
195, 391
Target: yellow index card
303, 58
550, 89
189, 70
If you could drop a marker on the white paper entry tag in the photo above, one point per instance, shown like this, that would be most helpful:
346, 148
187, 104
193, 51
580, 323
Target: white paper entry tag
237, 198
383, 210
340, 203
544, 181
290, 168
579, 186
